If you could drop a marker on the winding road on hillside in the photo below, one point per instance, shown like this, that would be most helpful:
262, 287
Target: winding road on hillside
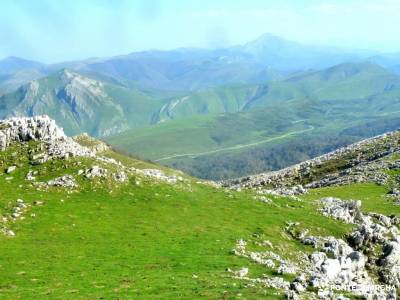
194, 155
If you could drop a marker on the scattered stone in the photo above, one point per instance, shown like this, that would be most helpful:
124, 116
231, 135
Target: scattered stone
263, 199
160, 175
266, 258
30, 175
66, 181
95, 171
120, 176
11, 169
7, 232
242, 272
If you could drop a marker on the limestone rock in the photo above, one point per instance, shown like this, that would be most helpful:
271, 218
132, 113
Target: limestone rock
44, 129
11, 169
96, 171
346, 211
390, 262
66, 181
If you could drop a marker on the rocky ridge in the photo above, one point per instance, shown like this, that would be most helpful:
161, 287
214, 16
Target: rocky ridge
360, 162
54, 144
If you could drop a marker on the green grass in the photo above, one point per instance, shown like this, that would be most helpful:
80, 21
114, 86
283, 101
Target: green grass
128, 242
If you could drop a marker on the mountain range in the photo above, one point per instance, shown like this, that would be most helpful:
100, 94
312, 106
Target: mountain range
189, 69
215, 113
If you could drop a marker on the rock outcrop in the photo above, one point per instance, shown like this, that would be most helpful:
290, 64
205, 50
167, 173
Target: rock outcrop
44, 129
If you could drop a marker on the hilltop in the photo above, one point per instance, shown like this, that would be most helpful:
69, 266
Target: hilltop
80, 220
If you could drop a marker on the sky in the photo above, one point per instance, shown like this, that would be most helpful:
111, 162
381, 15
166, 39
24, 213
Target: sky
60, 30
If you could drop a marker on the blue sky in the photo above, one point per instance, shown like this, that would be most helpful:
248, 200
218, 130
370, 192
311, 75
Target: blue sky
59, 30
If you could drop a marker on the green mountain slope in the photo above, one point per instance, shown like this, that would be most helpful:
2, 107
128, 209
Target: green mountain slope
120, 230
227, 99
207, 133
81, 104
244, 143
339, 83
